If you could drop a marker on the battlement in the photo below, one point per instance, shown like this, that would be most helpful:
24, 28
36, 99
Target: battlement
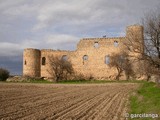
104, 38
135, 25
32, 49
52, 50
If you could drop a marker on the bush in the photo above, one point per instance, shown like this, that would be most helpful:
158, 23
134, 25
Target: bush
4, 74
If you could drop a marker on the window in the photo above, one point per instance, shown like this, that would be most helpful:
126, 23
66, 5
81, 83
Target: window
121, 58
43, 60
64, 57
107, 59
25, 63
96, 45
85, 57
115, 43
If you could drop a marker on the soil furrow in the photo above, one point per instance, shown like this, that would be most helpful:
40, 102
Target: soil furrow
64, 102
42, 103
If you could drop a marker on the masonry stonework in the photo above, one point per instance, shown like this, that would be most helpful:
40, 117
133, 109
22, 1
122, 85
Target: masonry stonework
88, 59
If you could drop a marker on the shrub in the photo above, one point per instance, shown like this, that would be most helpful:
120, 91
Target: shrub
4, 74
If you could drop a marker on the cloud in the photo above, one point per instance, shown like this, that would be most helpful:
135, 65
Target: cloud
61, 38
12, 63
9, 49
62, 13
55, 41
89, 12
59, 24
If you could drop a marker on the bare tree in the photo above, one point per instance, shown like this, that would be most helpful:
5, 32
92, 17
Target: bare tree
147, 51
122, 64
151, 25
60, 68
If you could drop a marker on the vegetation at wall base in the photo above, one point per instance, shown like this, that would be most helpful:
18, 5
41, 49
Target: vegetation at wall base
98, 81
37, 81
146, 100
75, 81
27, 79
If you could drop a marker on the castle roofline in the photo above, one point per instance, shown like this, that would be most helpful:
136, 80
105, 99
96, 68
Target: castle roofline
135, 25
56, 50
103, 38
31, 49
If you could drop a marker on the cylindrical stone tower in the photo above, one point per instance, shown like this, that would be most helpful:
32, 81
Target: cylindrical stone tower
135, 37
134, 34
31, 62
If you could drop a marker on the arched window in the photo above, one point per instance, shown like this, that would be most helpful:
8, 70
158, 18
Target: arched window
115, 43
43, 60
107, 59
85, 57
64, 57
96, 44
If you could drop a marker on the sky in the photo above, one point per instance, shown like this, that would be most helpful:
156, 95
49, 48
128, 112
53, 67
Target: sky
60, 24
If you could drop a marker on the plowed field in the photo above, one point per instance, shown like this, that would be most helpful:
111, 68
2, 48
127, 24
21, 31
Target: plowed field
64, 102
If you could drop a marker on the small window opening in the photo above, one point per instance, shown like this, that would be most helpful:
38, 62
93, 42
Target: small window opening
107, 59
96, 44
115, 43
64, 57
85, 57
121, 59
43, 60
25, 62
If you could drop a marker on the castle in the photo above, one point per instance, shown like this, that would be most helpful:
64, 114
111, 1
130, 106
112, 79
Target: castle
91, 57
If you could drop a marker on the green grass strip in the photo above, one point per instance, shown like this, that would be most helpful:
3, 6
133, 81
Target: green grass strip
146, 100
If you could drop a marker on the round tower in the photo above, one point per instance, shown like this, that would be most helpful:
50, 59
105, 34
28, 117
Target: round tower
31, 62
134, 35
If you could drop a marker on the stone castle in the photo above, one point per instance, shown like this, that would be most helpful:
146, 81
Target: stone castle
91, 57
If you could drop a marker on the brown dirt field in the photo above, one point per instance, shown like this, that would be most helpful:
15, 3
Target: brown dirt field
64, 102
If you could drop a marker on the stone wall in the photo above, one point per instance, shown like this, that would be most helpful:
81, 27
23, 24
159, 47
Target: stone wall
88, 59
45, 71
96, 49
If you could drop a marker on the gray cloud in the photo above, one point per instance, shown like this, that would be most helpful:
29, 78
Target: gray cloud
59, 24
12, 63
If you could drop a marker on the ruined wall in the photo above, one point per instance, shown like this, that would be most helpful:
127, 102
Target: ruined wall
47, 54
90, 56
97, 49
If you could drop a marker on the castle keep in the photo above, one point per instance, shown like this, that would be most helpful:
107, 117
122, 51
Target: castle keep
91, 57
